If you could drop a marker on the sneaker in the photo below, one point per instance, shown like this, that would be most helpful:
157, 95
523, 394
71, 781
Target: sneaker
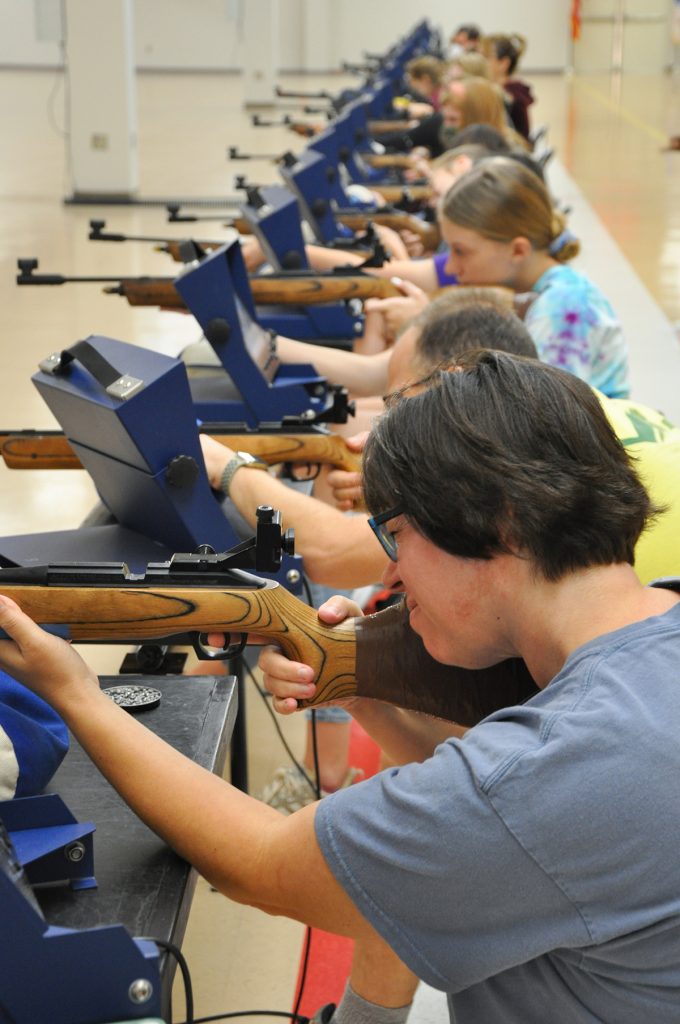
289, 790
324, 1014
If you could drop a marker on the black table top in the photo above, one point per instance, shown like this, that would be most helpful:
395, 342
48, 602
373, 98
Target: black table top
142, 884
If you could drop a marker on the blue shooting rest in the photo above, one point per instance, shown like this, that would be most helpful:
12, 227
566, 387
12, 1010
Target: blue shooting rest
142, 452
274, 216
217, 291
337, 144
316, 183
62, 975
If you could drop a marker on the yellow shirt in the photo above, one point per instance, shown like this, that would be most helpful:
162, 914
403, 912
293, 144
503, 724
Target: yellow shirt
654, 444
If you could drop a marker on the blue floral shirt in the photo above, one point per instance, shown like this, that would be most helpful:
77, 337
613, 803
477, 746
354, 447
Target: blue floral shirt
574, 327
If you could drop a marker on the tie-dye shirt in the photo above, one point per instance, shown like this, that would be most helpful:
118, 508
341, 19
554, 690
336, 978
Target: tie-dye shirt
574, 327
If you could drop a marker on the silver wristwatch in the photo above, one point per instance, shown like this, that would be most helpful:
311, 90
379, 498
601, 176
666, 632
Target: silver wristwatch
239, 459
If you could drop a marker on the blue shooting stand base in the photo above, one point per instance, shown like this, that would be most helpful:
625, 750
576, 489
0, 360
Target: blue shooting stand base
58, 974
50, 844
142, 452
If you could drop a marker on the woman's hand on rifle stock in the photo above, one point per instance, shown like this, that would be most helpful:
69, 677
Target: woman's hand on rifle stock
348, 492
290, 681
44, 663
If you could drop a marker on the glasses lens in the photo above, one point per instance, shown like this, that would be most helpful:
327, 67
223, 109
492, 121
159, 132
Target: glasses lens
379, 526
388, 541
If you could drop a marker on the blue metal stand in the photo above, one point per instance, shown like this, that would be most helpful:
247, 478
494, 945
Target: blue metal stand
57, 974
50, 844
142, 452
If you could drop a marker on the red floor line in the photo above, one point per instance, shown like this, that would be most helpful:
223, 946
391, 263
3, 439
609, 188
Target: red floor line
330, 956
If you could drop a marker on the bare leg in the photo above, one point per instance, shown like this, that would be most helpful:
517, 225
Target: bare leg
379, 976
333, 743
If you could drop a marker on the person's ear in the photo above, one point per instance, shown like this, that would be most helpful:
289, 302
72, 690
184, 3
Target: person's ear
520, 248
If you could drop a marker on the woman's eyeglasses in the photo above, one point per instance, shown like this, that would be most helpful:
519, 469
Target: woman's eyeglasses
379, 526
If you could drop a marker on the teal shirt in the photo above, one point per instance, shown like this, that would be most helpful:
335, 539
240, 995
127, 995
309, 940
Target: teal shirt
574, 327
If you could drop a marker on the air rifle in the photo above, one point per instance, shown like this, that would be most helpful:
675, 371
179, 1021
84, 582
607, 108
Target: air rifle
292, 287
193, 595
98, 234
50, 449
398, 220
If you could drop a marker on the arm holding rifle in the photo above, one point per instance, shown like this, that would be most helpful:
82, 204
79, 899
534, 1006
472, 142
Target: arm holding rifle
394, 312
202, 817
419, 272
346, 485
194, 810
362, 375
337, 549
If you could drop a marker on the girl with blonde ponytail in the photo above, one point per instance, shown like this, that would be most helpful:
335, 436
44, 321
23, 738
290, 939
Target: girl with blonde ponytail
501, 229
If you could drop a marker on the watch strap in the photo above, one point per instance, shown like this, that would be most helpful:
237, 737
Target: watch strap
235, 464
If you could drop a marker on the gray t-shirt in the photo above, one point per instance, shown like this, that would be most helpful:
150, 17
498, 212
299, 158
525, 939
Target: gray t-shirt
532, 869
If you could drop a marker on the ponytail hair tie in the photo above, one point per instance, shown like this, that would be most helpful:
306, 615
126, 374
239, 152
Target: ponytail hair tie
559, 243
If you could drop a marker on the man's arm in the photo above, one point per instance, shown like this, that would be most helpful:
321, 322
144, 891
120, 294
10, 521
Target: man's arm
363, 375
242, 846
338, 550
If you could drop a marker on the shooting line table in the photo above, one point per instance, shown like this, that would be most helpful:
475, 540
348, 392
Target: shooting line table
142, 884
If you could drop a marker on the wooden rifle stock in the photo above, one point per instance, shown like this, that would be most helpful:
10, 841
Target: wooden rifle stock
314, 449
268, 290
272, 289
387, 159
395, 126
378, 657
395, 193
428, 233
51, 450
30, 449
149, 291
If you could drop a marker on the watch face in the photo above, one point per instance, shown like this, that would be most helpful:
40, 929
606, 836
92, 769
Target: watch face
250, 460
134, 698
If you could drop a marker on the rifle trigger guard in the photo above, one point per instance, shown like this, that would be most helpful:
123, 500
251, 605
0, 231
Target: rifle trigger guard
206, 653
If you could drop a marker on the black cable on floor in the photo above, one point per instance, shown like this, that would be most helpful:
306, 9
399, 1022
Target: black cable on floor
303, 978
184, 968
279, 731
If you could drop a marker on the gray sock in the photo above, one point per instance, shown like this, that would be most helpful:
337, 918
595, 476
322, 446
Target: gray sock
355, 1010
